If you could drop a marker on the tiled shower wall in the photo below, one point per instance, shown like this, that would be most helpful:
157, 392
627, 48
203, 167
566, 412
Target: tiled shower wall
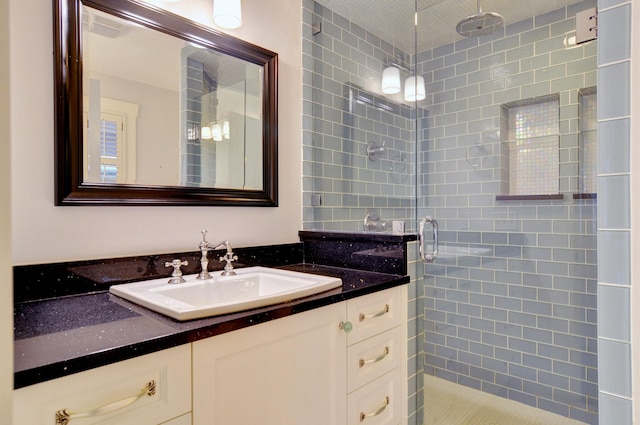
342, 116
615, 281
517, 317
510, 304
195, 83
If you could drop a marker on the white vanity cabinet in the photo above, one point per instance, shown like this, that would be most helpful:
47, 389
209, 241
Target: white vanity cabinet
146, 390
286, 371
340, 364
377, 357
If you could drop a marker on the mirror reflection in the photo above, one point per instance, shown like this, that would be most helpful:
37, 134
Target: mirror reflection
162, 111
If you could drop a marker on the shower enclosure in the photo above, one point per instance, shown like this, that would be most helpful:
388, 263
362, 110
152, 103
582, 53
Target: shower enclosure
493, 138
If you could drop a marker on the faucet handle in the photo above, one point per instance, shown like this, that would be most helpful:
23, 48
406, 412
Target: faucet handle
176, 276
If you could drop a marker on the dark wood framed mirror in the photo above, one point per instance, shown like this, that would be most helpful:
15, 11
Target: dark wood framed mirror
155, 109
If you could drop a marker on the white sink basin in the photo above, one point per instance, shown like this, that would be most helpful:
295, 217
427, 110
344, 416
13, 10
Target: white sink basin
251, 287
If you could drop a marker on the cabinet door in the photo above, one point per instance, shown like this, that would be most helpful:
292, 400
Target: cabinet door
113, 394
289, 371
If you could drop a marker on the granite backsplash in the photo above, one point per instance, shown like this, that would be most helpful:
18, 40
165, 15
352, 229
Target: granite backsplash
377, 252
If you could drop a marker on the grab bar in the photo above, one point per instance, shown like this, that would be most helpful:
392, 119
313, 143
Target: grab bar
428, 258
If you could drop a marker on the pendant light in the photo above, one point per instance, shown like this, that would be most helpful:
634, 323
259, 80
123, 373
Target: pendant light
227, 13
205, 133
391, 80
216, 132
414, 89
225, 128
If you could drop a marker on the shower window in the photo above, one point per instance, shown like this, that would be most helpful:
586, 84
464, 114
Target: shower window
533, 133
588, 122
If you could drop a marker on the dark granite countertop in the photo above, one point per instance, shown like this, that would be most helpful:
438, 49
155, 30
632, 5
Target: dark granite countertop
62, 336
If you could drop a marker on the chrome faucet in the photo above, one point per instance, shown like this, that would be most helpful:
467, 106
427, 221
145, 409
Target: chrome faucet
205, 247
204, 261
372, 222
228, 257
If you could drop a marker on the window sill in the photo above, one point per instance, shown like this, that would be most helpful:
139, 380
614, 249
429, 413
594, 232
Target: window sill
585, 195
553, 197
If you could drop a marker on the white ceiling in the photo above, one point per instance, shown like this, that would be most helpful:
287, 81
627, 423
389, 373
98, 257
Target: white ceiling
392, 20
116, 47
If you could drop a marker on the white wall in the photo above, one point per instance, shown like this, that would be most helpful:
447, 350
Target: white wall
45, 233
6, 297
158, 129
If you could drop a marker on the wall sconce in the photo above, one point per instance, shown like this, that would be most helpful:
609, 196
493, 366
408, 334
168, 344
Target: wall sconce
216, 132
205, 132
225, 128
414, 89
391, 80
227, 13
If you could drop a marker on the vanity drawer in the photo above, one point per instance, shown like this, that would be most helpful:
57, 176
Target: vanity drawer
375, 313
378, 403
114, 394
374, 357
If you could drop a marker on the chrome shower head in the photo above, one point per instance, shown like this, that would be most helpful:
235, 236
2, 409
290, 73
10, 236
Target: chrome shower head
482, 23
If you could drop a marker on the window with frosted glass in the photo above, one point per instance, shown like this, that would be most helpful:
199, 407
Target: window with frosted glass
588, 147
533, 137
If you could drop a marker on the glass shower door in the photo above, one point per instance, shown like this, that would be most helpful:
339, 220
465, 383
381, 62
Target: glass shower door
503, 168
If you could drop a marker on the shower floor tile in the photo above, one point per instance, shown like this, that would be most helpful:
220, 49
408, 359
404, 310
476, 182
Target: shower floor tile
447, 403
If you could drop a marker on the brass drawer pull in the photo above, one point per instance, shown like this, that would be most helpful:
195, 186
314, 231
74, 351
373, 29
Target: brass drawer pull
63, 417
382, 312
364, 416
377, 359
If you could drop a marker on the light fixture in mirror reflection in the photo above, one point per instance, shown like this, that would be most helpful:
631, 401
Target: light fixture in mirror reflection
216, 131
154, 109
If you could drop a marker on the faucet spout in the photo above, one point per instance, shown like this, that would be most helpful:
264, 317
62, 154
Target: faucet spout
205, 247
223, 244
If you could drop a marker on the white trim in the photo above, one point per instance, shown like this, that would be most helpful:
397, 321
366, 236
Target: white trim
129, 113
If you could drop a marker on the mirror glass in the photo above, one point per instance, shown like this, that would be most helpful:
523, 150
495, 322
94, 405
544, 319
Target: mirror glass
171, 112
167, 112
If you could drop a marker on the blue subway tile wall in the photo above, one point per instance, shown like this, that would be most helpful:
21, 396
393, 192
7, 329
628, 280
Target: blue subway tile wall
614, 221
510, 307
511, 301
342, 116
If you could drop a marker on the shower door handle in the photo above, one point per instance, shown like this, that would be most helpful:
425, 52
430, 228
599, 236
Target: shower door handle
428, 258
